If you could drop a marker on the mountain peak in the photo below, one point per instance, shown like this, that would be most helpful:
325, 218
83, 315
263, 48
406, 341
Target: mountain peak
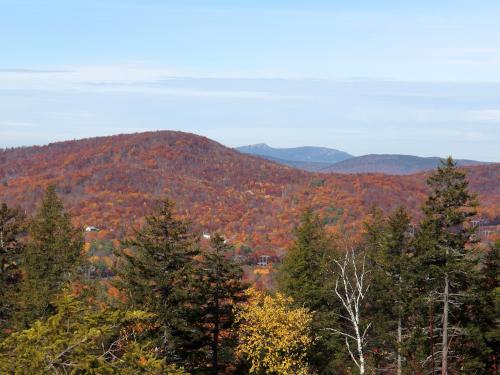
257, 146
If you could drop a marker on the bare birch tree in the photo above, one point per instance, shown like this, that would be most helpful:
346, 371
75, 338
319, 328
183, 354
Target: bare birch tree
351, 288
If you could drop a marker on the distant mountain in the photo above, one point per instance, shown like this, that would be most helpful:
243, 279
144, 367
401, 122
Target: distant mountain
310, 166
306, 154
327, 160
390, 164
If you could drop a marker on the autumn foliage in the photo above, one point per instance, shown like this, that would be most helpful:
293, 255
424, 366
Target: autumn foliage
111, 182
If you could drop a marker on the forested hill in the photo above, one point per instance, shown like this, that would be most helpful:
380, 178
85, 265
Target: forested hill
110, 182
390, 164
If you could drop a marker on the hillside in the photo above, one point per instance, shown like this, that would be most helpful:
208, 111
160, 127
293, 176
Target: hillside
111, 182
389, 164
306, 154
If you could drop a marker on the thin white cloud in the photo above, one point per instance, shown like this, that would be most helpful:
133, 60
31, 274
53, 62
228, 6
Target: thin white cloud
485, 62
486, 115
128, 79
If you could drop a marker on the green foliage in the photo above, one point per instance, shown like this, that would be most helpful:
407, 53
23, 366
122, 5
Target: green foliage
303, 276
220, 290
81, 339
12, 227
444, 269
318, 182
483, 326
51, 258
157, 275
333, 215
180, 301
101, 248
390, 247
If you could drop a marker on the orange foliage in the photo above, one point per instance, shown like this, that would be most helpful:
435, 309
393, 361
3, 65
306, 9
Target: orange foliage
112, 182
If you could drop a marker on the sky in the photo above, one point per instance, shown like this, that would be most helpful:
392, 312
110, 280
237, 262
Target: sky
407, 77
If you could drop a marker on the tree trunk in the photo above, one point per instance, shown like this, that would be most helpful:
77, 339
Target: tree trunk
399, 370
400, 321
215, 341
431, 336
444, 358
359, 342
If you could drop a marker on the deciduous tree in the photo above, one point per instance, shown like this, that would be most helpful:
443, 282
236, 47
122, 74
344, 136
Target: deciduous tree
274, 335
351, 288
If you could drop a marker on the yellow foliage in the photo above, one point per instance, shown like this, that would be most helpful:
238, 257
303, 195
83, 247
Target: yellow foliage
86, 247
274, 336
261, 271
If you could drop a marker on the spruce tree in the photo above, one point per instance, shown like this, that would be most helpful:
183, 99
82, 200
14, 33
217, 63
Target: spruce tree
220, 289
81, 338
157, 275
483, 325
445, 266
303, 276
51, 259
389, 244
12, 227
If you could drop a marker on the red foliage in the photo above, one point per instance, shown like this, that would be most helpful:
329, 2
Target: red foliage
112, 182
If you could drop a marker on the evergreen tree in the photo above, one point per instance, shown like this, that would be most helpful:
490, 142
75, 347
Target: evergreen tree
389, 246
483, 324
12, 227
80, 338
303, 277
157, 276
51, 258
221, 289
445, 266
301, 274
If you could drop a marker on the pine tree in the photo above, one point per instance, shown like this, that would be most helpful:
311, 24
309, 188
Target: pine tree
156, 275
445, 266
51, 258
389, 244
221, 289
12, 227
80, 338
483, 325
300, 275
303, 277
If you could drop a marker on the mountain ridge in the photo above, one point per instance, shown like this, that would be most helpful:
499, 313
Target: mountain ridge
112, 182
399, 164
306, 158
301, 154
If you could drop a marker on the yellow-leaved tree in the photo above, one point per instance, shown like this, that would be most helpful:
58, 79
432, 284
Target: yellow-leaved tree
274, 336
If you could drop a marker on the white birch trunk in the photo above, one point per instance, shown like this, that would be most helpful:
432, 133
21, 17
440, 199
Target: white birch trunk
351, 294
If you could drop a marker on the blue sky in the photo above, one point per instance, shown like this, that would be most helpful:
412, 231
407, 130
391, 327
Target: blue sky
413, 77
